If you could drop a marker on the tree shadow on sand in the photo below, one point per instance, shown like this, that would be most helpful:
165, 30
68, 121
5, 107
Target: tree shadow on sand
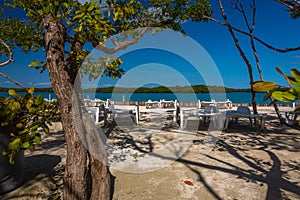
36, 168
261, 171
273, 171
39, 164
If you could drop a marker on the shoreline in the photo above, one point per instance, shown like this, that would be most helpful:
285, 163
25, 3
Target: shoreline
194, 104
237, 98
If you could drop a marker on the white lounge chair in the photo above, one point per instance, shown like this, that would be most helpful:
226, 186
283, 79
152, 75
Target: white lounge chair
244, 112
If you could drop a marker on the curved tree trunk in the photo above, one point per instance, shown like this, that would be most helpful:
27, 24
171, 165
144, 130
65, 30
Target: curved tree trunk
75, 121
75, 183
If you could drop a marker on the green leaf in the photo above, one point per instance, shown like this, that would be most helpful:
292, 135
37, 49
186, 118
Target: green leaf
14, 144
12, 92
295, 73
41, 12
91, 8
291, 79
19, 125
26, 130
31, 90
37, 139
34, 128
16, 106
31, 148
45, 128
11, 159
115, 15
39, 100
34, 64
47, 9
65, 4
283, 96
261, 86
297, 92
25, 145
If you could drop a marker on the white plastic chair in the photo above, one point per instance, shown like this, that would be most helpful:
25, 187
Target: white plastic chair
243, 110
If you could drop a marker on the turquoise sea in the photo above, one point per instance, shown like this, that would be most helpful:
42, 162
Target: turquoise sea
235, 97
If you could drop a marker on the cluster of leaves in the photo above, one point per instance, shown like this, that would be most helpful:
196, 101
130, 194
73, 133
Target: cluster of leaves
281, 93
94, 23
108, 66
25, 35
293, 6
29, 115
180, 10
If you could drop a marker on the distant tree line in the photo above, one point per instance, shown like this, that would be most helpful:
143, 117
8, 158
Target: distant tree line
164, 89
158, 89
2, 89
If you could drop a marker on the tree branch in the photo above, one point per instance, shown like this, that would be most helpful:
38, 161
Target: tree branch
243, 55
118, 46
10, 59
239, 7
254, 37
251, 30
13, 81
288, 4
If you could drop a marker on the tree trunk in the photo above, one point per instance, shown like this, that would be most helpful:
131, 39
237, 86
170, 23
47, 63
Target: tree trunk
281, 119
254, 104
247, 62
75, 184
100, 175
75, 122
101, 180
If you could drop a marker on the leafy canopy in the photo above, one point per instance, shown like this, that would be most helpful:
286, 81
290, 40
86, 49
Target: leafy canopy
84, 26
91, 24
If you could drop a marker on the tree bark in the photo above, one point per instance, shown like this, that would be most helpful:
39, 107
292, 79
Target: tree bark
75, 184
100, 175
101, 180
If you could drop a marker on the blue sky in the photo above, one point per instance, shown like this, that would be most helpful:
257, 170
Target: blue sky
273, 25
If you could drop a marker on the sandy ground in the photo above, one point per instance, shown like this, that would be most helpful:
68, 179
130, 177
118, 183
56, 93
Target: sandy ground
245, 163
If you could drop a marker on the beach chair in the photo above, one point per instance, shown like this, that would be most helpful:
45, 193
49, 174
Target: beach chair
174, 110
94, 112
224, 104
152, 104
209, 109
167, 104
243, 110
204, 104
291, 117
126, 117
104, 113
